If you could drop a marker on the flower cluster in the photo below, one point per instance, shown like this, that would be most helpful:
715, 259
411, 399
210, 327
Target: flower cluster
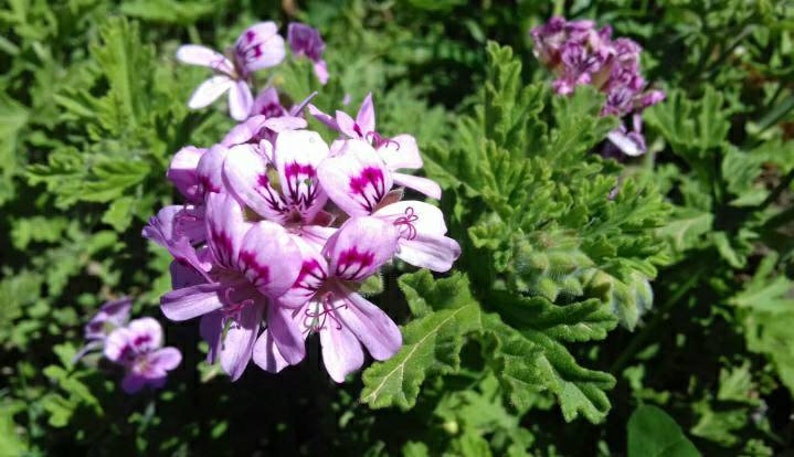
135, 345
578, 53
259, 47
279, 230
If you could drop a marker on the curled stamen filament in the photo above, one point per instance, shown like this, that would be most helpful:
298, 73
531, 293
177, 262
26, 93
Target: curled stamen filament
378, 140
315, 319
406, 223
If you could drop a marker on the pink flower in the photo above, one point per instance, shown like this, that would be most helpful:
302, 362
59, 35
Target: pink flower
111, 315
138, 348
249, 263
182, 172
321, 301
280, 184
306, 41
260, 46
399, 152
359, 182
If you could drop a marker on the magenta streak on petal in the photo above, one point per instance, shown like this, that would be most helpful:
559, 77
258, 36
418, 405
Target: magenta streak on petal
272, 198
296, 175
309, 269
370, 177
222, 248
248, 259
249, 36
351, 258
141, 339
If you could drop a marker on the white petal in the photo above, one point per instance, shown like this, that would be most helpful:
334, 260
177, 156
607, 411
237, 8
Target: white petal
209, 91
193, 54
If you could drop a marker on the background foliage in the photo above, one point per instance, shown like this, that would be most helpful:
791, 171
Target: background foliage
655, 322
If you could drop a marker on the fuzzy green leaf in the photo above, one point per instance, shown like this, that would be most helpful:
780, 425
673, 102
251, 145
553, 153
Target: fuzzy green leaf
652, 433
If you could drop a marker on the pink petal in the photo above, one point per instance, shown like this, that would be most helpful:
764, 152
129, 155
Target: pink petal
209, 91
374, 328
360, 247
189, 302
423, 217
117, 344
401, 152
146, 333
357, 179
211, 330
209, 168
238, 345
284, 123
226, 228
269, 258
434, 252
419, 184
298, 154
245, 173
342, 353
326, 119
321, 71
347, 126
625, 143
165, 359
267, 355
182, 172
260, 46
366, 116
193, 54
312, 275
240, 101
285, 326
244, 131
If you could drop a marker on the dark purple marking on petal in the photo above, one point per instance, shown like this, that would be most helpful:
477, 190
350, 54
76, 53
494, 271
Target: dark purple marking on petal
370, 185
262, 272
301, 174
353, 259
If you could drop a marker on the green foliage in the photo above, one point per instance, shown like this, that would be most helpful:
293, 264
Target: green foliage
653, 433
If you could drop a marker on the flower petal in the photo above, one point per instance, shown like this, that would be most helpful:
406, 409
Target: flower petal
240, 101
348, 127
117, 345
147, 334
284, 324
226, 228
269, 258
321, 71
266, 354
360, 247
193, 54
342, 353
238, 345
160, 362
365, 119
433, 252
260, 46
211, 330
357, 179
182, 172
209, 91
246, 175
374, 328
189, 302
298, 154
209, 168
326, 119
312, 275
423, 217
419, 184
401, 152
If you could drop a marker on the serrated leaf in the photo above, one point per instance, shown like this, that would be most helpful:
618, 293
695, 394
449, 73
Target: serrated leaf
431, 346
532, 361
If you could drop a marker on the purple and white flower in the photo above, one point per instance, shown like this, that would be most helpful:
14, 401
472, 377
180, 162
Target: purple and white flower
306, 41
260, 46
138, 348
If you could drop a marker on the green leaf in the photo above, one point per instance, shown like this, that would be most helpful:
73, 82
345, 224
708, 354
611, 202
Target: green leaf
531, 361
431, 346
652, 433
